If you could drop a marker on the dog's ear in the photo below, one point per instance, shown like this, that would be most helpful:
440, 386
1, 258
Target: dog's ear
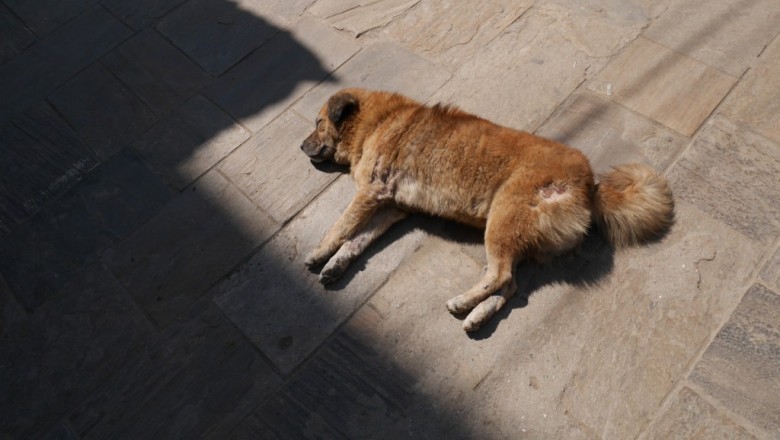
340, 106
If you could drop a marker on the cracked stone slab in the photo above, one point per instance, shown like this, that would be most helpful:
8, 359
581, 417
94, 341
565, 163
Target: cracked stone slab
611, 135
14, 35
741, 366
664, 85
186, 145
281, 306
539, 67
754, 100
715, 33
359, 16
690, 416
731, 173
170, 262
309, 52
272, 171
383, 66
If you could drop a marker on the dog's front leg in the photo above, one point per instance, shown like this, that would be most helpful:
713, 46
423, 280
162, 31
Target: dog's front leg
385, 217
357, 214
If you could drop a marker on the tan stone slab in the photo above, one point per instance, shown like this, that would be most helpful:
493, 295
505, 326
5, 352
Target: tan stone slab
359, 16
663, 85
690, 416
732, 174
770, 274
727, 35
610, 135
741, 368
756, 99
271, 169
520, 77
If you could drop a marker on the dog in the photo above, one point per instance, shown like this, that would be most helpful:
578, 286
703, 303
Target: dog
535, 198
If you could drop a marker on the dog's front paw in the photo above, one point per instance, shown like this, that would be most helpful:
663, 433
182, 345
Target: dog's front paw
459, 305
332, 271
313, 260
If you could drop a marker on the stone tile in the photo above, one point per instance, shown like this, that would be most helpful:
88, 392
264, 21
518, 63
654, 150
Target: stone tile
731, 173
42, 158
611, 135
191, 141
31, 76
308, 54
139, 14
272, 170
281, 307
102, 110
382, 66
359, 16
173, 259
539, 67
754, 100
217, 34
450, 32
289, 10
201, 377
770, 274
715, 33
14, 35
56, 357
43, 16
741, 367
156, 71
664, 85
61, 431
105, 207
690, 416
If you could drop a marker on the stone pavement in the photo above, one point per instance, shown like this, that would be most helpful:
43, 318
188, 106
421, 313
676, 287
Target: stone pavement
155, 210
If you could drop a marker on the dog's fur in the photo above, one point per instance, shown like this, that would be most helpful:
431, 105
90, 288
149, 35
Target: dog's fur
534, 197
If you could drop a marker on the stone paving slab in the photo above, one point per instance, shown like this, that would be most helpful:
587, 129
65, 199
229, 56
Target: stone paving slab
360, 16
140, 13
14, 36
44, 16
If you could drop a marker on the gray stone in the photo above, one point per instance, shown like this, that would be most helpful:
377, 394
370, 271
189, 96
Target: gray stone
383, 66
14, 36
191, 141
140, 13
271, 169
217, 34
714, 33
56, 357
30, 76
281, 307
731, 173
360, 16
742, 365
102, 110
105, 207
690, 416
42, 158
156, 71
257, 90
44, 16
611, 135
173, 259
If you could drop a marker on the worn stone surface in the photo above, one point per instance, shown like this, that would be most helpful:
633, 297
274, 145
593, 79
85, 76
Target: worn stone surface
173, 259
308, 53
715, 33
663, 85
770, 273
754, 100
383, 66
43, 16
29, 77
102, 110
280, 305
731, 173
690, 416
14, 35
105, 207
54, 358
140, 13
271, 169
360, 16
742, 365
196, 137
611, 135
156, 71
539, 67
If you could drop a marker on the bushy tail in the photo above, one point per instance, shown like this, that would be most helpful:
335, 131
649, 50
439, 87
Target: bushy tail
633, 204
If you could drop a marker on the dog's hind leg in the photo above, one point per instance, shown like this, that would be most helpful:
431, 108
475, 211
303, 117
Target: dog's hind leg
378, 225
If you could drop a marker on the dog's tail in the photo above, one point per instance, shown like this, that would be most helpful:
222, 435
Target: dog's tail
633, 204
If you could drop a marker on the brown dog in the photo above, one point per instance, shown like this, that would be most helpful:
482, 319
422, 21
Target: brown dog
534, 197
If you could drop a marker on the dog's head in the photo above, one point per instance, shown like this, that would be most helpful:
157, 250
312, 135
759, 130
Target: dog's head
328, 142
